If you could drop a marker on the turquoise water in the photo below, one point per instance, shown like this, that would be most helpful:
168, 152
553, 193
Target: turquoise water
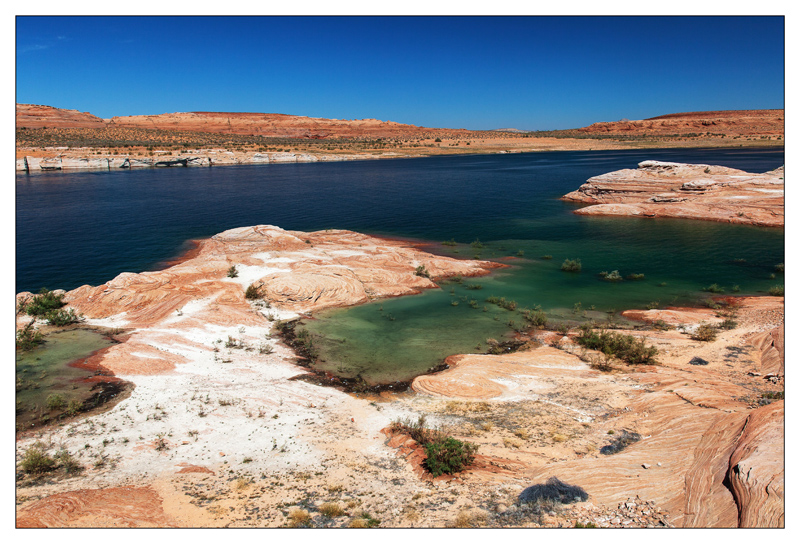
85, 228
47, 371
677, 258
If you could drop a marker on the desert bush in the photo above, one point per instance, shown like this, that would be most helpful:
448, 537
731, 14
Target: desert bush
36, 460
28, 337
68, 462
62, 318
332, 510
705, 333
474, 286
547, 257
776, 291
233, 272
448, 455
714, 288
728, 323
422, 271
44, 302
467, 519
623, 346
779, 267
445, 454
571, 265
299, 518
535, 317
635, 276
364, 521
451, 242
252, 292
54, 402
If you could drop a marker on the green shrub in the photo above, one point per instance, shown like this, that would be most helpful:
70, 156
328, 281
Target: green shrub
779, 267
28, 338
776, 291
714, 288
54, 402
474, 286
728, 323
68, 462
451, 242
62, 318
628, 348
635, 276
252, 292
571, 265
448, 455
422, 271
233, 272
537, 318
510, 305
477, 244
547, 257
44, 302
36, 460
705, 333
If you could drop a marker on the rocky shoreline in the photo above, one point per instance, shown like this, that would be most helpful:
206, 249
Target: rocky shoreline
220, 432
203, 158
687, 191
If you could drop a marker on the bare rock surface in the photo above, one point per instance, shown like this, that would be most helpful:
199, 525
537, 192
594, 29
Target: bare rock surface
689, 191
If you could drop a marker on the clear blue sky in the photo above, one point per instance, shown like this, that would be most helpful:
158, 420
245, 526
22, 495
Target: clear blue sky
534, 73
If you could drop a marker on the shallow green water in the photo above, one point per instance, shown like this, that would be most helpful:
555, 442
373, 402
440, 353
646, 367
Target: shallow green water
46, 371
397, 339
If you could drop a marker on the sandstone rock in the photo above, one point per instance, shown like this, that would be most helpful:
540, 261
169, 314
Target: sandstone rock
714, 193
756, 469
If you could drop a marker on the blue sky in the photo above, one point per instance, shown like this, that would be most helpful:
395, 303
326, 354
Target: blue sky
535, 73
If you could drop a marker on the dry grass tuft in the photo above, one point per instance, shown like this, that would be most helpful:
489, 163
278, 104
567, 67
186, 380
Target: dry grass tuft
299, 518
332, 510
469, 519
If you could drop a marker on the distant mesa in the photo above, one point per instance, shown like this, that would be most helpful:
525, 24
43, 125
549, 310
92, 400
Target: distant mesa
732, 124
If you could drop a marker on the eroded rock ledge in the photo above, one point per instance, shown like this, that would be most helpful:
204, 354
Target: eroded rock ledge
688, 191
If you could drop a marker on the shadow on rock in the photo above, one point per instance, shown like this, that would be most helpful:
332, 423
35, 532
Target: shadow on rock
624, 440
554, 490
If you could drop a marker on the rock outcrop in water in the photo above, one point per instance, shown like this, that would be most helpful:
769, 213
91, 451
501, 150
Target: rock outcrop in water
688, 191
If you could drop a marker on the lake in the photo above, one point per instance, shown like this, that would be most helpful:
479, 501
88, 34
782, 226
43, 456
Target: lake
87, 227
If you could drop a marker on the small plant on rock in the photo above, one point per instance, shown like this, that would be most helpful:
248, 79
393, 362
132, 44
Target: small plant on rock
233, 272
252, 292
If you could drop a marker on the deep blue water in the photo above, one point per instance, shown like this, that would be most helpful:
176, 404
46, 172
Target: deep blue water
87, 227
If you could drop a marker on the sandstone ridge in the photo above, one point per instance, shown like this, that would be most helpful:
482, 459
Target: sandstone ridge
689, 191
